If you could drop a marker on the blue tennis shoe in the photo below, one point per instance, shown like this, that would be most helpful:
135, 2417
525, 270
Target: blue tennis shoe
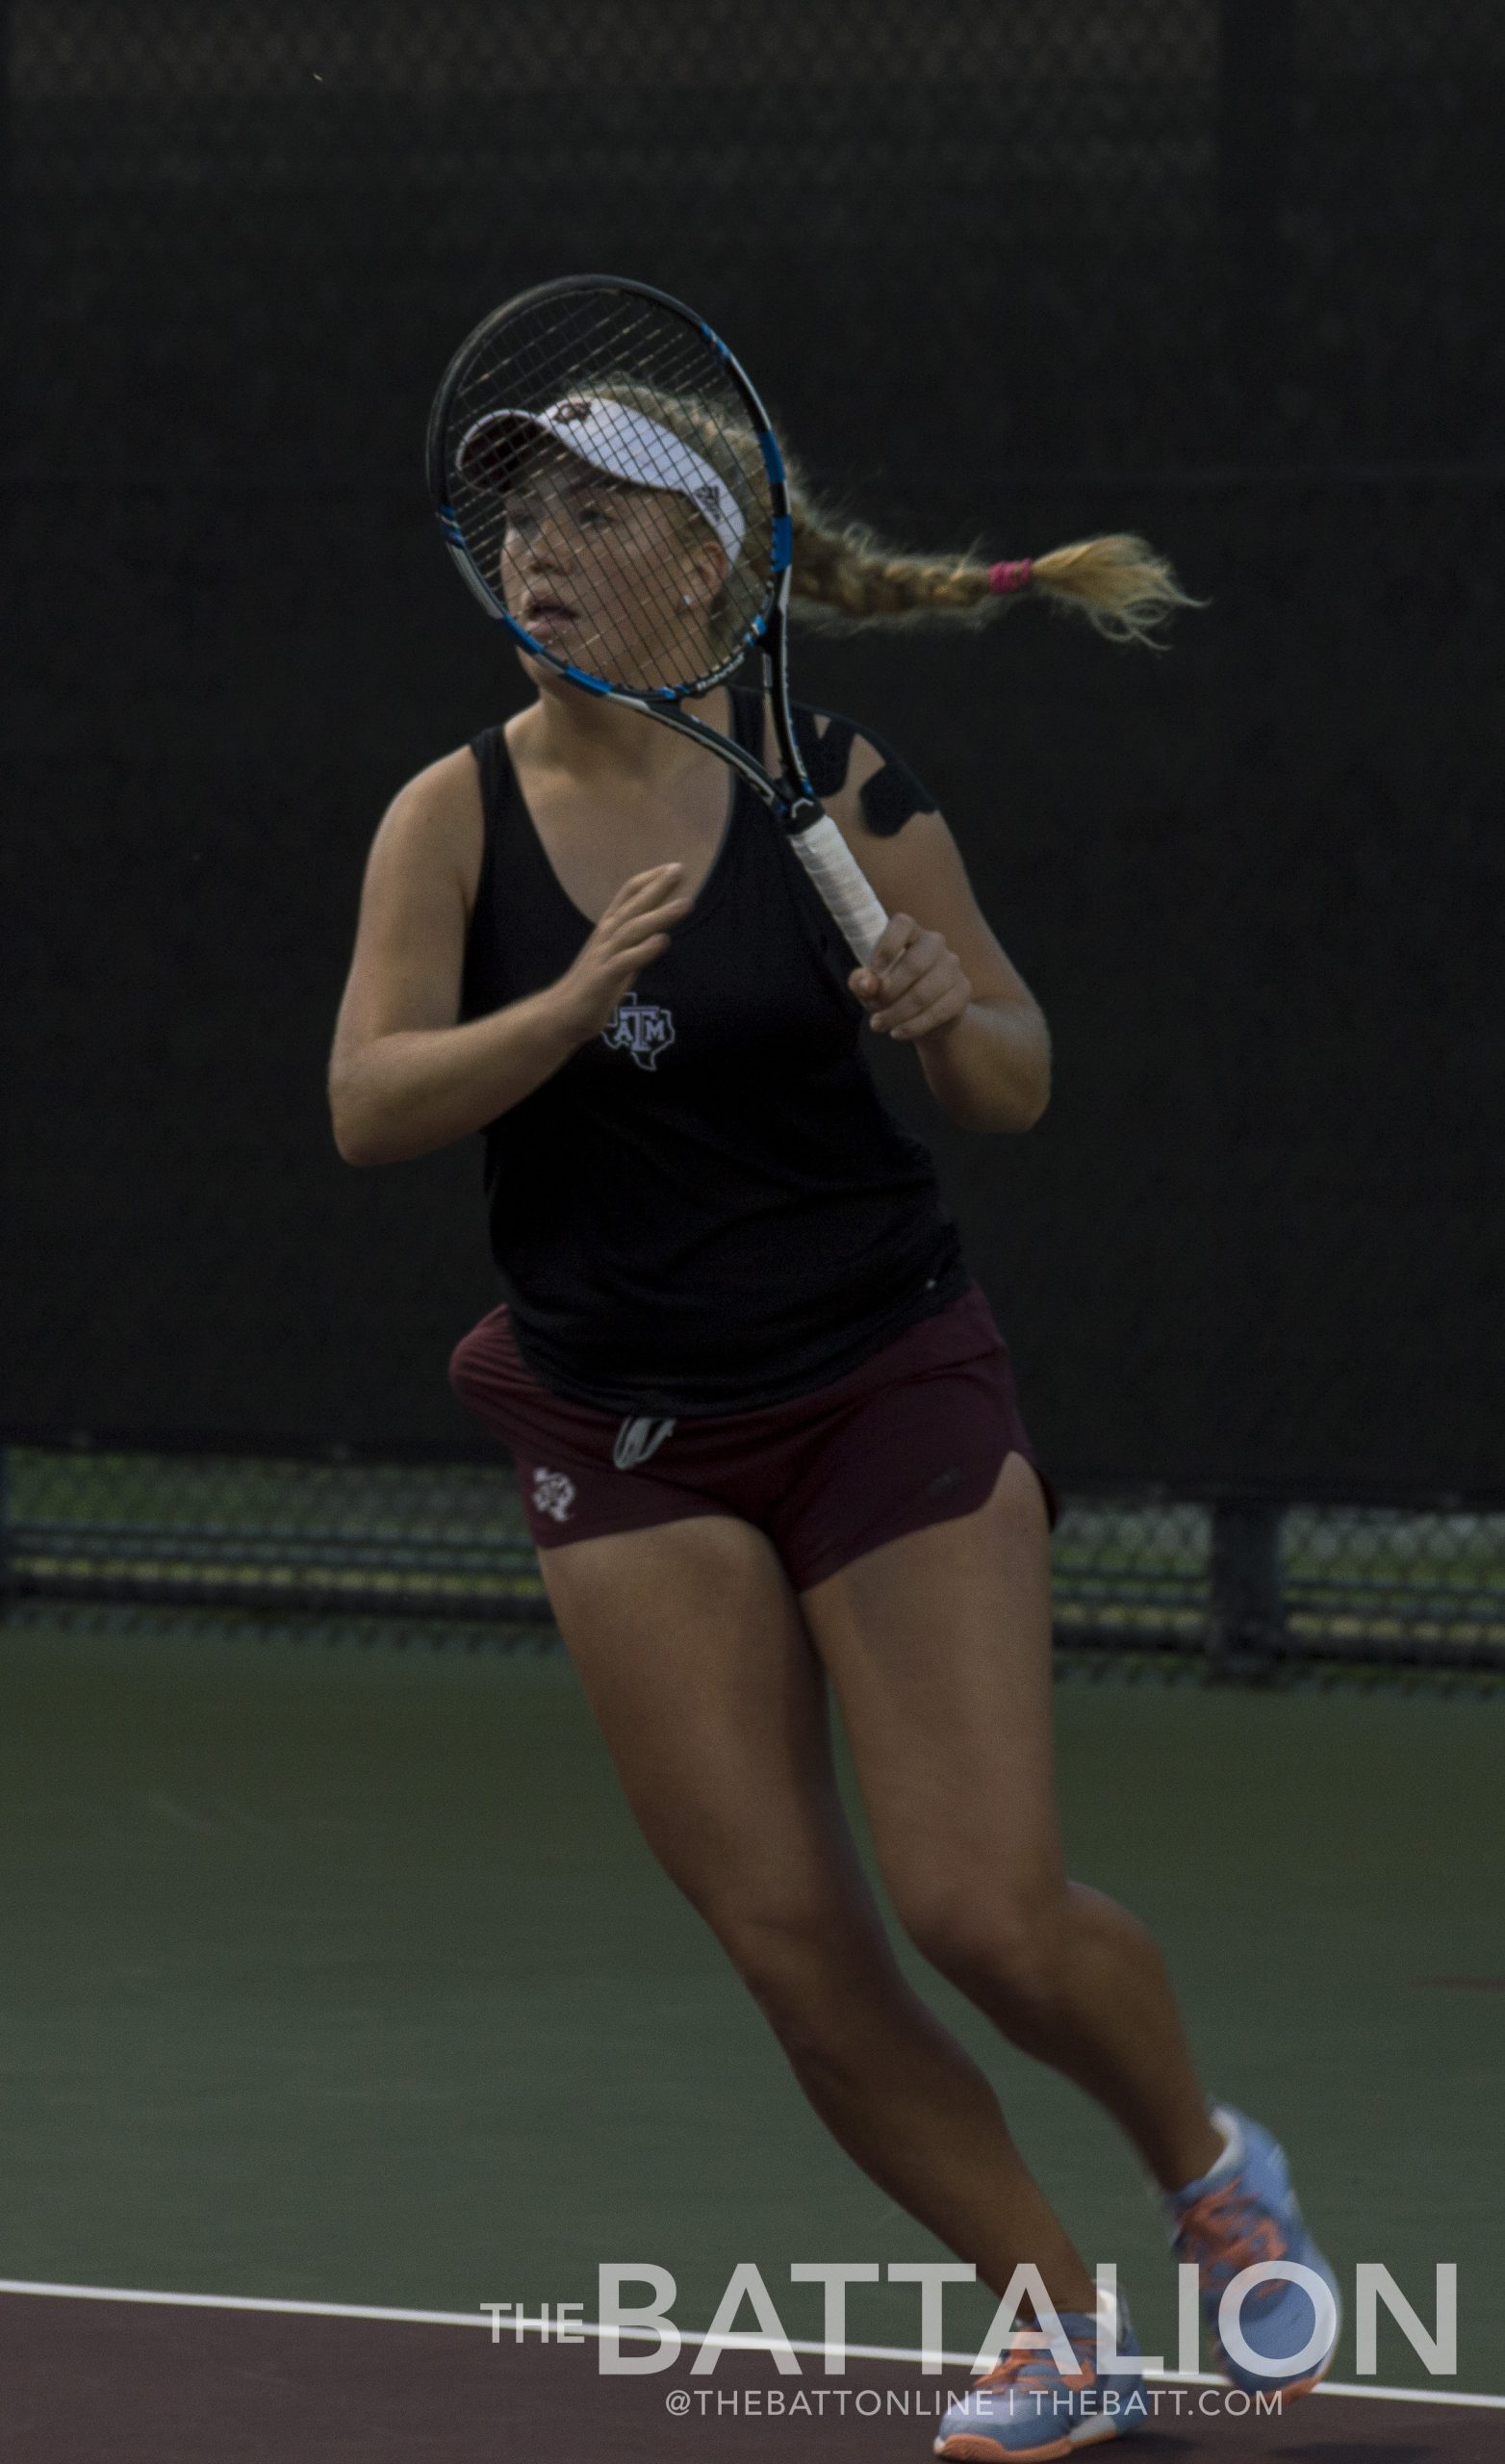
1028, 2406
1243, 2215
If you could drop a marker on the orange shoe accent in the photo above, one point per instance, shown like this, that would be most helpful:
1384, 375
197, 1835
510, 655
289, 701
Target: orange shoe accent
970, 2449
1017, 2363
974, 2447
1212, 2236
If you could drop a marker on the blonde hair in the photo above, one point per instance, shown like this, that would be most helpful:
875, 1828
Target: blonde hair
736, 456
846, 579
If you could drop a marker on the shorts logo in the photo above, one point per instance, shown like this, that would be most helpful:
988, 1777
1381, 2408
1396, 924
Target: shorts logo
637, 1440
553, 1493
640, 1028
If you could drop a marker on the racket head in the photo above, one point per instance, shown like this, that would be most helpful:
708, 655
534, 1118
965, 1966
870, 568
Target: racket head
609, 484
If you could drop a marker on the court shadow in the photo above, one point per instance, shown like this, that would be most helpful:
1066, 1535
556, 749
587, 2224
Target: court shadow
1184, 2445
1372, 2451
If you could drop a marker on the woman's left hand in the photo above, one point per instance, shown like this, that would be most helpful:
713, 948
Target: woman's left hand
912, 986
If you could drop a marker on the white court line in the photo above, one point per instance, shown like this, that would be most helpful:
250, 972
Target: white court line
721, 2344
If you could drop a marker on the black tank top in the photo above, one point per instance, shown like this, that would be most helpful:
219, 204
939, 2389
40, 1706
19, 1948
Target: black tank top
709, 1207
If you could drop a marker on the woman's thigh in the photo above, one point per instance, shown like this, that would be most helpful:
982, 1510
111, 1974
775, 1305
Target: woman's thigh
696, 1662
938, 1647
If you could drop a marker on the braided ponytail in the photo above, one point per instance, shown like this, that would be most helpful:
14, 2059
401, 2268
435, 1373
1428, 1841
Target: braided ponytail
846, 578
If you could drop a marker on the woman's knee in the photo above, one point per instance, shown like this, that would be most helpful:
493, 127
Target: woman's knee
809, 1973
1007, 1950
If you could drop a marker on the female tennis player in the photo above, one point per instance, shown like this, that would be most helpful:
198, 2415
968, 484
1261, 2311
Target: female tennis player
764, 1425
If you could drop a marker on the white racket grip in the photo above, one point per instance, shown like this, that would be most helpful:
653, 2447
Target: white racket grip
842, 883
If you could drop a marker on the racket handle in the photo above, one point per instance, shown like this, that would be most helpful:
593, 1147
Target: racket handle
842, 883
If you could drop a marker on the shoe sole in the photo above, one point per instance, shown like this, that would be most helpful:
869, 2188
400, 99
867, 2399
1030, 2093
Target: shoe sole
969, 2448
1287, 2395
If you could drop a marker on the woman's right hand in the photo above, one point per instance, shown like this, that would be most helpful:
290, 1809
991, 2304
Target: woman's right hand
407, 1075
633, 931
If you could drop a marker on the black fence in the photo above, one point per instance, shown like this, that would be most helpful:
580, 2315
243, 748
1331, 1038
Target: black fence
1221, 272
1254, 1589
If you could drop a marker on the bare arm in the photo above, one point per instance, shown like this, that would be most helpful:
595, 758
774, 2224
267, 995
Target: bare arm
404, 1077
944, 984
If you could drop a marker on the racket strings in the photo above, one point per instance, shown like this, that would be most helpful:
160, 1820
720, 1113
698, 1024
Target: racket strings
622, 367
609, 484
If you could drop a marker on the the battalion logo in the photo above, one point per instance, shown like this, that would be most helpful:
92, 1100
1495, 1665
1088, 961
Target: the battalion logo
638, 1439
641, 1028
553, 1493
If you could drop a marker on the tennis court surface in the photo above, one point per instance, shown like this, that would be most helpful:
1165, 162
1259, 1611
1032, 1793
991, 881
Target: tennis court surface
340, 1977
164, 2384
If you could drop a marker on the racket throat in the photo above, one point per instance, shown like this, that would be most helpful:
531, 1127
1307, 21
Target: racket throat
798, 809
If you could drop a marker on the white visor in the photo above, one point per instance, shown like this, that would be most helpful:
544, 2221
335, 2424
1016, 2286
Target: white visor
625, 443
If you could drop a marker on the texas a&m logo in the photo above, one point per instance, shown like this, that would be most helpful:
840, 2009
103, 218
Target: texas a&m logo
553, 1493
641, 1028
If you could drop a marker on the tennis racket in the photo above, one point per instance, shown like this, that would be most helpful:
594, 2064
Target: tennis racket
609, 484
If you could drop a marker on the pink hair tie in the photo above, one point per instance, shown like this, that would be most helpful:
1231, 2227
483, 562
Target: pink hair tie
1015, 575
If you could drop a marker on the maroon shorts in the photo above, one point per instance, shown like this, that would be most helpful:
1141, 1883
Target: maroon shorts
914, 1435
